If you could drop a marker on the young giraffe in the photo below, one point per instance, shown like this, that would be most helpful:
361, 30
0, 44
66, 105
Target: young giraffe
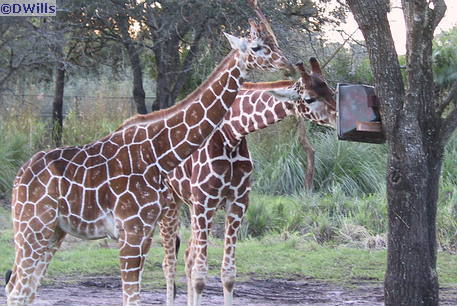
113, 187
219, 173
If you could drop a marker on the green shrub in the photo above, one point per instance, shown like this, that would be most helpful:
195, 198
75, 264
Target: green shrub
320, 215
445, 58
280, 167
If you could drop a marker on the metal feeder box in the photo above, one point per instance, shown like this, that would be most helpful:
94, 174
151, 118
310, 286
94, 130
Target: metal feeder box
358, 114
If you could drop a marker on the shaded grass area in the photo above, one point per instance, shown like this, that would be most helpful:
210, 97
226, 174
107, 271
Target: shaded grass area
273, 256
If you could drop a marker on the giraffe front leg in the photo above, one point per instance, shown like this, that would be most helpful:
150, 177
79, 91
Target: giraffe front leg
134, 246
202, 217
234, 215
169, 226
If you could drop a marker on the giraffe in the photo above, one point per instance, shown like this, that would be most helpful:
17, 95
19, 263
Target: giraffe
114, 186
218, 173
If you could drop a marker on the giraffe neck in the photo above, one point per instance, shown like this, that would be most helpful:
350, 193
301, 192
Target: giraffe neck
253, 110
176, 132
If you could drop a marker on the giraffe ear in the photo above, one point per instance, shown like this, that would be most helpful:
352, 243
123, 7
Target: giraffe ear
285, 94
237, 43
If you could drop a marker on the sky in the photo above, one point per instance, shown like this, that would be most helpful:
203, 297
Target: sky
397, 25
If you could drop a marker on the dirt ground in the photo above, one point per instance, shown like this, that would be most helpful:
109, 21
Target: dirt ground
107, 291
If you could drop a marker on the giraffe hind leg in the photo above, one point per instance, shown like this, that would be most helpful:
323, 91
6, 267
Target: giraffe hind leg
169, 226
34, 251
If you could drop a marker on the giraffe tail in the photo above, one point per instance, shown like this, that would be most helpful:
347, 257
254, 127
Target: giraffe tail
177, 245
8, 276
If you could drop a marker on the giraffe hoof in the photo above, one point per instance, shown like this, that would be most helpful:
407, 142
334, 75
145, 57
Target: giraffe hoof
229, 285
199, 285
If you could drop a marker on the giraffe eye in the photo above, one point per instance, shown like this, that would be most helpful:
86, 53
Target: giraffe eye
255, 49
310, 100
321, 84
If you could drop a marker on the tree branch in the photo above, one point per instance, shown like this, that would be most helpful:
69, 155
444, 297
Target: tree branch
337, 50
189, 60
449, 98
439, 11
309, 150
371, 16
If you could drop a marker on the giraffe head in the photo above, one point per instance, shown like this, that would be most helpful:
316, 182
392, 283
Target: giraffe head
260, 50
312, 96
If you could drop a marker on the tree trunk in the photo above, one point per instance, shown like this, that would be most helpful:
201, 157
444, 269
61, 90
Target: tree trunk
138, 92
57, 105
413, 129
309, 150
165, 96
168, 65
173, 71
412, 191
135, 63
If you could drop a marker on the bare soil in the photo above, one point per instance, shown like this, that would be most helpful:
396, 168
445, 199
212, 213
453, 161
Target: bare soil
107, 291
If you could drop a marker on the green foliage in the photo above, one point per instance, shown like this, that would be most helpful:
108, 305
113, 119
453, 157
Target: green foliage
445, 58
20, 137
447, 217
356, 168
318, 216
75, 133
449, 168
280, 166
265, 213
350, 68
279, 169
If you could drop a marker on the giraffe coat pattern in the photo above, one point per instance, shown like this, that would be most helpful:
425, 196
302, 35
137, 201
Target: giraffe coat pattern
114, 187
218, 173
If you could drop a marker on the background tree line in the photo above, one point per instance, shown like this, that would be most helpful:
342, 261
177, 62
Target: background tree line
176, 42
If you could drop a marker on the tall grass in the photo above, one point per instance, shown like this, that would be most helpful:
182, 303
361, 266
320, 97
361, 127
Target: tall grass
280, 163
20, 137
23, 134
322, 217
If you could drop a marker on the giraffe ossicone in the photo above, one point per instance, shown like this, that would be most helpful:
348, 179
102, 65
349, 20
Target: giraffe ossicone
218, 173
114, 187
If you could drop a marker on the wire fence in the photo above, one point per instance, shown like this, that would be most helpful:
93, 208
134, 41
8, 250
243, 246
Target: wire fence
41, 105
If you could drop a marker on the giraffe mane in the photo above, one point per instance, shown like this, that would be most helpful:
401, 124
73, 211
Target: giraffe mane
267, 85
164, 113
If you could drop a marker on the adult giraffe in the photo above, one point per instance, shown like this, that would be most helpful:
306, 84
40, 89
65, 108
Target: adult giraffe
219, 173
113, 187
